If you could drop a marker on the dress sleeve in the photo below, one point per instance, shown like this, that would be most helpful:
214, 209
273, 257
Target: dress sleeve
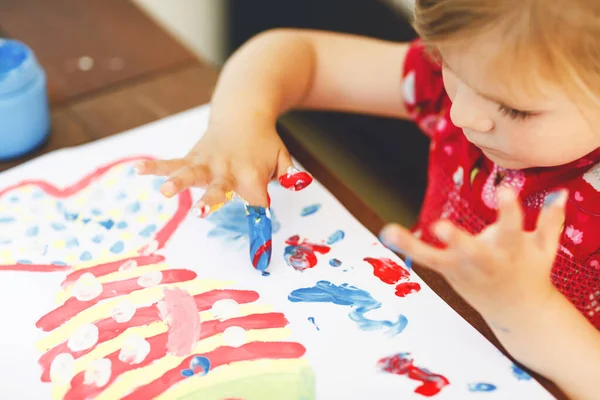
424, 94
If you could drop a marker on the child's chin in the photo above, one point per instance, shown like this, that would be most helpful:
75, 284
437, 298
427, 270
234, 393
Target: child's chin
505, 162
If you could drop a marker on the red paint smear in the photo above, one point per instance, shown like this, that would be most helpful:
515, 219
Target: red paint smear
108, 268
402, 364
302, 255
109, 328
405, 288
158, 349
261, 250
296, 181
72, 306
183, 321
218, 357
185, 204
35, 268
387, 270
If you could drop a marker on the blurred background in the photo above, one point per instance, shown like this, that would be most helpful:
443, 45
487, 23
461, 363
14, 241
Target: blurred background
383, 160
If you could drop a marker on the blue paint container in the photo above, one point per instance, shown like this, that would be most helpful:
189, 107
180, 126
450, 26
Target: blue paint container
24, 110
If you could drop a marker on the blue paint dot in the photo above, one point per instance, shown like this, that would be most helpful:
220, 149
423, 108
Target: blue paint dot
187, 373
108, 224
117, 247
336, 237
14, 199
86, 220
85, 256
97, 239
5, 241
481, 387
121, 196
334, 262
122, 225
96, 212
38, 194
200, 365
12, 55
24, 262
148, 231
520, 374
133, 208
157, 183
266, 273
33, 231
57, 226
71, 216
73, 242
6, 220
160, 208
309, 210
59, 263
59, 206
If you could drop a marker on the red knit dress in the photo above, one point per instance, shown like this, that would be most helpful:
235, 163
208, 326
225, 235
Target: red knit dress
463, 183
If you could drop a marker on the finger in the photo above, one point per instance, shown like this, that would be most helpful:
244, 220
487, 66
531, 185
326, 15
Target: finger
510, 216
400, 239
458, 241
184, 178
217, 194
159, 167
551, 219
252, 187
260, 233
288, 175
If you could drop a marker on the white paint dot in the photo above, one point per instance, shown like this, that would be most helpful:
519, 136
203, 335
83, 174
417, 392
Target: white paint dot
123, 312
128, 265
234, 336
62, 368
150, 279
85, 337
87, 287
135, 349
85, 63
225, 309
98, 372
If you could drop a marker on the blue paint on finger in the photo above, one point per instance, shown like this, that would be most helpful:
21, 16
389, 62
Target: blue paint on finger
260, 231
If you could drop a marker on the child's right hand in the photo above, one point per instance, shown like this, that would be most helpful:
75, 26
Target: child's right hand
228, 160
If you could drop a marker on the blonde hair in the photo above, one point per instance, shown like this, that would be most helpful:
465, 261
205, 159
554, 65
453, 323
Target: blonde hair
555, 40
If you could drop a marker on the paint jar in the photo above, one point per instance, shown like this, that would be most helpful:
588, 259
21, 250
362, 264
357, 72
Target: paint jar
24, 110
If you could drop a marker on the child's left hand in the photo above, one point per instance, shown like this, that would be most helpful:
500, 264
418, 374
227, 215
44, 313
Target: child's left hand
504, 271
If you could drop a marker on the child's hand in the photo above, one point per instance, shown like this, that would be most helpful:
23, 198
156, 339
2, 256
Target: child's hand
501, 271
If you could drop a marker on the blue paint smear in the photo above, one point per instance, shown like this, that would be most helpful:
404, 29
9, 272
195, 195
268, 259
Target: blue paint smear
86, 220
309, 210
97, 239
336, 237
38, 194
148, 231
24, 262
157, 183
122, 196
57, 226
59, 263
481, 387
6, 220
108, 224
334, 262
71, 243
231, 222
266, 273
12, 55
312, 321
202, 364
70, 216
117, 247
3, 242
14, 199
520, 374
360, 300
260, 233
96, 212
33, 231
122, 225
85, 256
133, 207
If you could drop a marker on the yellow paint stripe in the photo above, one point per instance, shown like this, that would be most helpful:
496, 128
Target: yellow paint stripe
139, 298
154, 371
108, 259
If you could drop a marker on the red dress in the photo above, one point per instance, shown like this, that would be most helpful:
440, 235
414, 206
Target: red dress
463, 183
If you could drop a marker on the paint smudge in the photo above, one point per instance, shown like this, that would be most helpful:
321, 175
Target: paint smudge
520, 374
312, 321
295, 180
310, 210
481, 387
405, 288
260, 232
335, 237
231, 222
334, 262
360, 300
300, 255
178, 309
387, 270
198, 366
402, 364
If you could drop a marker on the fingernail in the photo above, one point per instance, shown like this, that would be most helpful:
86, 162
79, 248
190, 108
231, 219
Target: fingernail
201, 211
260, 232
168, 189
442, 231
557, 198
385, 240
506, 195
294, 179
139, 167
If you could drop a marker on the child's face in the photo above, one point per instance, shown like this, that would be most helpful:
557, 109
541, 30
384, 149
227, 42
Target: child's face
517, 131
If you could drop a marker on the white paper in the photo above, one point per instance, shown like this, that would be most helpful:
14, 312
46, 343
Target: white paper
340, 355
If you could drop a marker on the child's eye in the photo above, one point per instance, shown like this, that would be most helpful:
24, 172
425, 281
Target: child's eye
514, 114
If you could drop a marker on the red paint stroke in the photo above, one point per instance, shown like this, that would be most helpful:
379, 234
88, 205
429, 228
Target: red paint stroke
221, 356
295, 181
72, 306
301, 254
179, 311
402, 364
35, 268
108, 268
184, 206
109, 329
158, 349
405, 288
387, 270
265, 248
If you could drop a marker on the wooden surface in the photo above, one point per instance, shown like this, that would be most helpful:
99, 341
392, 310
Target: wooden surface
157, 77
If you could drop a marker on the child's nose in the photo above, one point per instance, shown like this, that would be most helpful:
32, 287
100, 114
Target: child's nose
468, 112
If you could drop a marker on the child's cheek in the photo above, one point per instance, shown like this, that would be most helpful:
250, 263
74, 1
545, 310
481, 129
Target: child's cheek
450, 83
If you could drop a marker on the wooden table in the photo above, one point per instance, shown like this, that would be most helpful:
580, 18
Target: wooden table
110, 69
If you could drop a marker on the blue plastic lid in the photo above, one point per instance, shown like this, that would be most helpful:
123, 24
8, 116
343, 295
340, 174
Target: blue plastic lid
18, 66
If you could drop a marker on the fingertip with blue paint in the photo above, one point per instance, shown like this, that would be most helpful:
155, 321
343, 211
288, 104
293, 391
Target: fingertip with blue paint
260, 232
